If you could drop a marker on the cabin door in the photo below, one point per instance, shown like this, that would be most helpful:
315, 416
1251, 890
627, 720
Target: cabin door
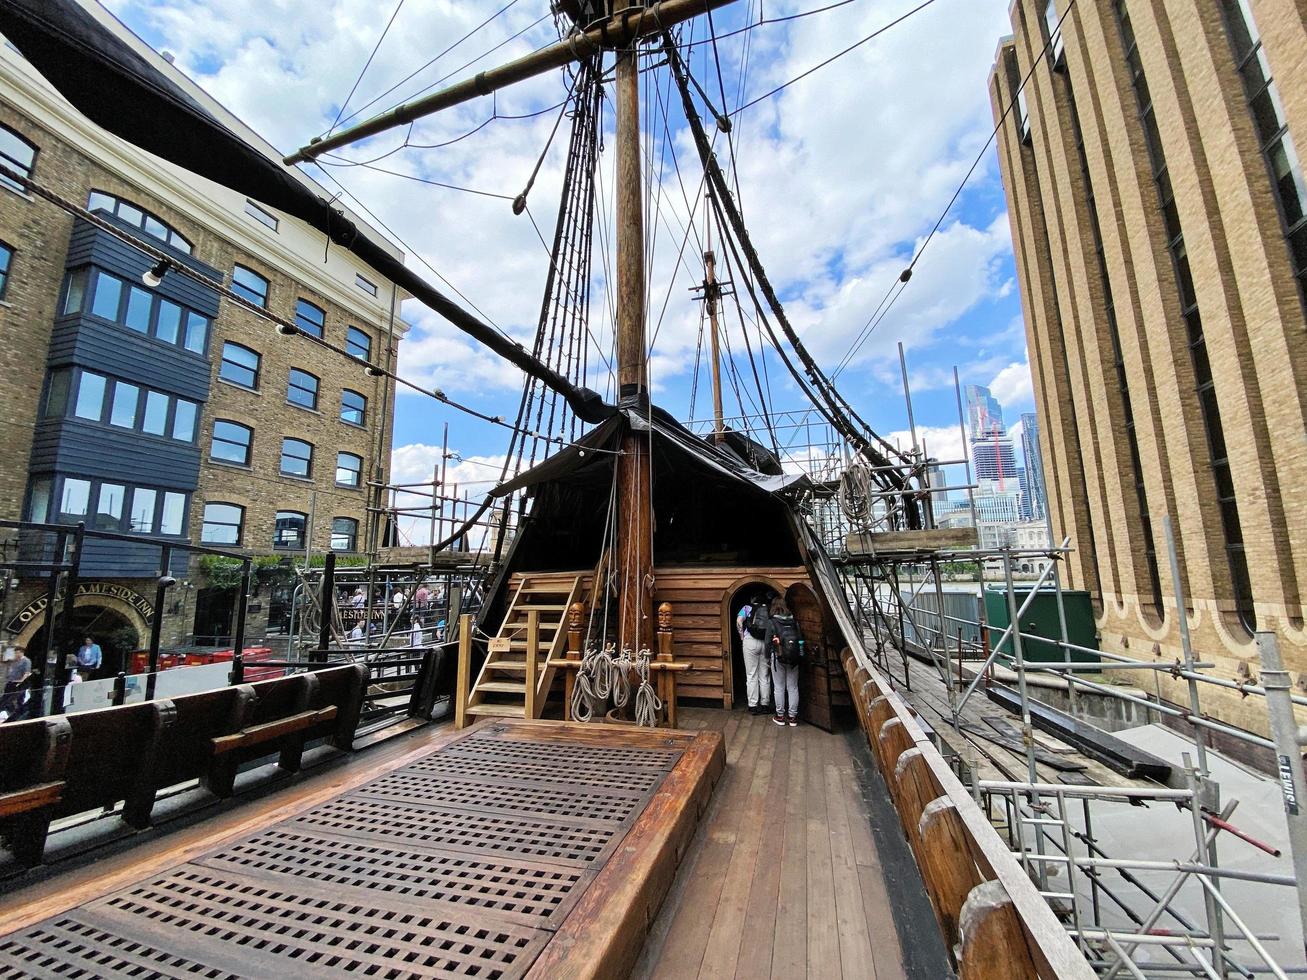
814, 679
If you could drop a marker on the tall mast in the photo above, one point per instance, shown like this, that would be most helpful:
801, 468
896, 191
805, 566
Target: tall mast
710, 294
634, 533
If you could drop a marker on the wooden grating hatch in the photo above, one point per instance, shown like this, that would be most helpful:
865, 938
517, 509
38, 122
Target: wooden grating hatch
463, 862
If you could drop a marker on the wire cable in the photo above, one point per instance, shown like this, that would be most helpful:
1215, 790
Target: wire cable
364, 70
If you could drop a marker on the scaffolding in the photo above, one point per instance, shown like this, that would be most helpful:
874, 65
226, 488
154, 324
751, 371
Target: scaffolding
1125, 920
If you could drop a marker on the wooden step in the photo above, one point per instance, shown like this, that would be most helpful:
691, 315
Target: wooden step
498, 710
541, 607
513, 666
502, 687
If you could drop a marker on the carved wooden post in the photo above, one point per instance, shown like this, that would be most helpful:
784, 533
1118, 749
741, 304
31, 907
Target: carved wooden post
532, 655
993, 943
946, 864
464, 670
575, 622
666, 678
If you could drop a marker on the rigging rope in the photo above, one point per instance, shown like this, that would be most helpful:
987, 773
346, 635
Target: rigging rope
648, 705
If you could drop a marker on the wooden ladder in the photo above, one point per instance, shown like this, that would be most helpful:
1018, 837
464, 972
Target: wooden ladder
501, 687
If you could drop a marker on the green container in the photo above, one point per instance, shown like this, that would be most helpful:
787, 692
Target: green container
1040, 620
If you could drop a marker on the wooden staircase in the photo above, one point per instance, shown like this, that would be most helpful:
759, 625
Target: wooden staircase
501, 687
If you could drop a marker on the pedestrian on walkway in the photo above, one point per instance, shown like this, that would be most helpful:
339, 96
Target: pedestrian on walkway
785, 644
752, 624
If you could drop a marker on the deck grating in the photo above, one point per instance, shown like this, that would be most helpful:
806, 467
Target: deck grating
461, 864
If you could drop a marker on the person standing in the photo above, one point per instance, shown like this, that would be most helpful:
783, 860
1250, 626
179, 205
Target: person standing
88, 658
17, 672
785, 645
752, 624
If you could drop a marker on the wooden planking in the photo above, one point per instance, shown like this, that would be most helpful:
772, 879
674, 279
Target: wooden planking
815, 903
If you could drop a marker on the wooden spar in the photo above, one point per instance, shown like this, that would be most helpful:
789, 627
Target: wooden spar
634, 533
621, 30
710, 293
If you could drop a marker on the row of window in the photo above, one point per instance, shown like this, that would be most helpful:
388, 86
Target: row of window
232, 443
100, 294
18, 153
96, 398
309, 317
241, 366
224, 525
108, 506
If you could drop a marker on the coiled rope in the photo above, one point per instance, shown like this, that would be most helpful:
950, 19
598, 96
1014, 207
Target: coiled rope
648, 705
621, 678
583, 694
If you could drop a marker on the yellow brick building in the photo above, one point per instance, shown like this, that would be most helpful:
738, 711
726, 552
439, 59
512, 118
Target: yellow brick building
1159, 222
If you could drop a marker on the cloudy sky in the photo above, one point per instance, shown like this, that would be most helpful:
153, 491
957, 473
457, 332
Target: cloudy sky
840, 176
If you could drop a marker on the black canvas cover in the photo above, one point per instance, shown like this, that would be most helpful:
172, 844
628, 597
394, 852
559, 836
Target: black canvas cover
119, 90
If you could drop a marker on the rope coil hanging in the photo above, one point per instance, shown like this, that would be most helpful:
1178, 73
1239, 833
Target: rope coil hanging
648, 705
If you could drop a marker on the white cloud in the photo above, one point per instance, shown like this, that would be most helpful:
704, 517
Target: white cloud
1012, 387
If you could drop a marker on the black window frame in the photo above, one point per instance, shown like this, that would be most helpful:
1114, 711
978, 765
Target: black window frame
304, 532
362, 410
91, 276
291, 386
223, 362
171, 236
7, 253
352, 533
358, 471
262, 215
306, 323
215, 438
286, 442
245, 292
205, 522
123, 521
13, 163
68, 410
363, 351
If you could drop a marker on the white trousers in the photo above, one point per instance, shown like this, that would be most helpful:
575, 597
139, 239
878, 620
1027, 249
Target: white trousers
757, 670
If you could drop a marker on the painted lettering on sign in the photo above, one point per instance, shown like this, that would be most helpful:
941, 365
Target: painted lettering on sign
85, 590
1286, 785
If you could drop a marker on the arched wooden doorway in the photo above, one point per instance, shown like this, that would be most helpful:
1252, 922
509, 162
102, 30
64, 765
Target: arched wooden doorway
814, 680
734, 599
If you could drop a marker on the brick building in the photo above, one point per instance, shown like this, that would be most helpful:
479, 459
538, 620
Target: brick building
167, 409
1158, 218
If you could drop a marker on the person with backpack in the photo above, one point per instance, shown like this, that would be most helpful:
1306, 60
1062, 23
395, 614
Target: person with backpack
785, 645
752, 623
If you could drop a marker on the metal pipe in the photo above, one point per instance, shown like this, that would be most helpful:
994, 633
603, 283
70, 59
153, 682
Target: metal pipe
1248, 934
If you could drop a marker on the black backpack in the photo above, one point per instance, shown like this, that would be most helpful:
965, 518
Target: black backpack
758, 618
789, 641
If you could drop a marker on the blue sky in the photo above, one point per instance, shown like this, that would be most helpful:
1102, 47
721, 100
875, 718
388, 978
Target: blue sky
840, 175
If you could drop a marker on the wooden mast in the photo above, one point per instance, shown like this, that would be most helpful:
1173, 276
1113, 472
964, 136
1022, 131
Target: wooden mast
710, 294
634, 533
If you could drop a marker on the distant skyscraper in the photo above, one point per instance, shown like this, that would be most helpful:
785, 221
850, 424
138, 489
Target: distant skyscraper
1034, 486
984, 413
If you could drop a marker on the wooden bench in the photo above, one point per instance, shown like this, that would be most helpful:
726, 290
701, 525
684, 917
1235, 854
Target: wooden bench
56, 767
31, 781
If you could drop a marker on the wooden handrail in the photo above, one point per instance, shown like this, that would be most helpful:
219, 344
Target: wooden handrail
532, 656
270, 730
464, 670
31, 798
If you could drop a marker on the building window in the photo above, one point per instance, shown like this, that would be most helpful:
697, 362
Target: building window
296, 458
231, 442
222, 524
1231, 528
1051, 21
240, 366
183, 420
309, 318
353, 407
265, 218
358, 343
288, 530
365, 284
6, 260
18, 153
38, 501
344, 534
1272, 129
123, 405
142, 512
138, 217
155, 420
74, 499
109, 507
56, 393
249, 285
1023, 117
349, 470
110, 298
172, 515
302, 389
90, 396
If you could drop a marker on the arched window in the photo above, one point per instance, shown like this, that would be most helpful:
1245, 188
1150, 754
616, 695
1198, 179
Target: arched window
240, 365
223, 524
349, 470
309, 318
138, 217
302, 389
248, 284
296, 458
344, 534
358, 343
353, 407
18, 153
231, 442
289, 530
